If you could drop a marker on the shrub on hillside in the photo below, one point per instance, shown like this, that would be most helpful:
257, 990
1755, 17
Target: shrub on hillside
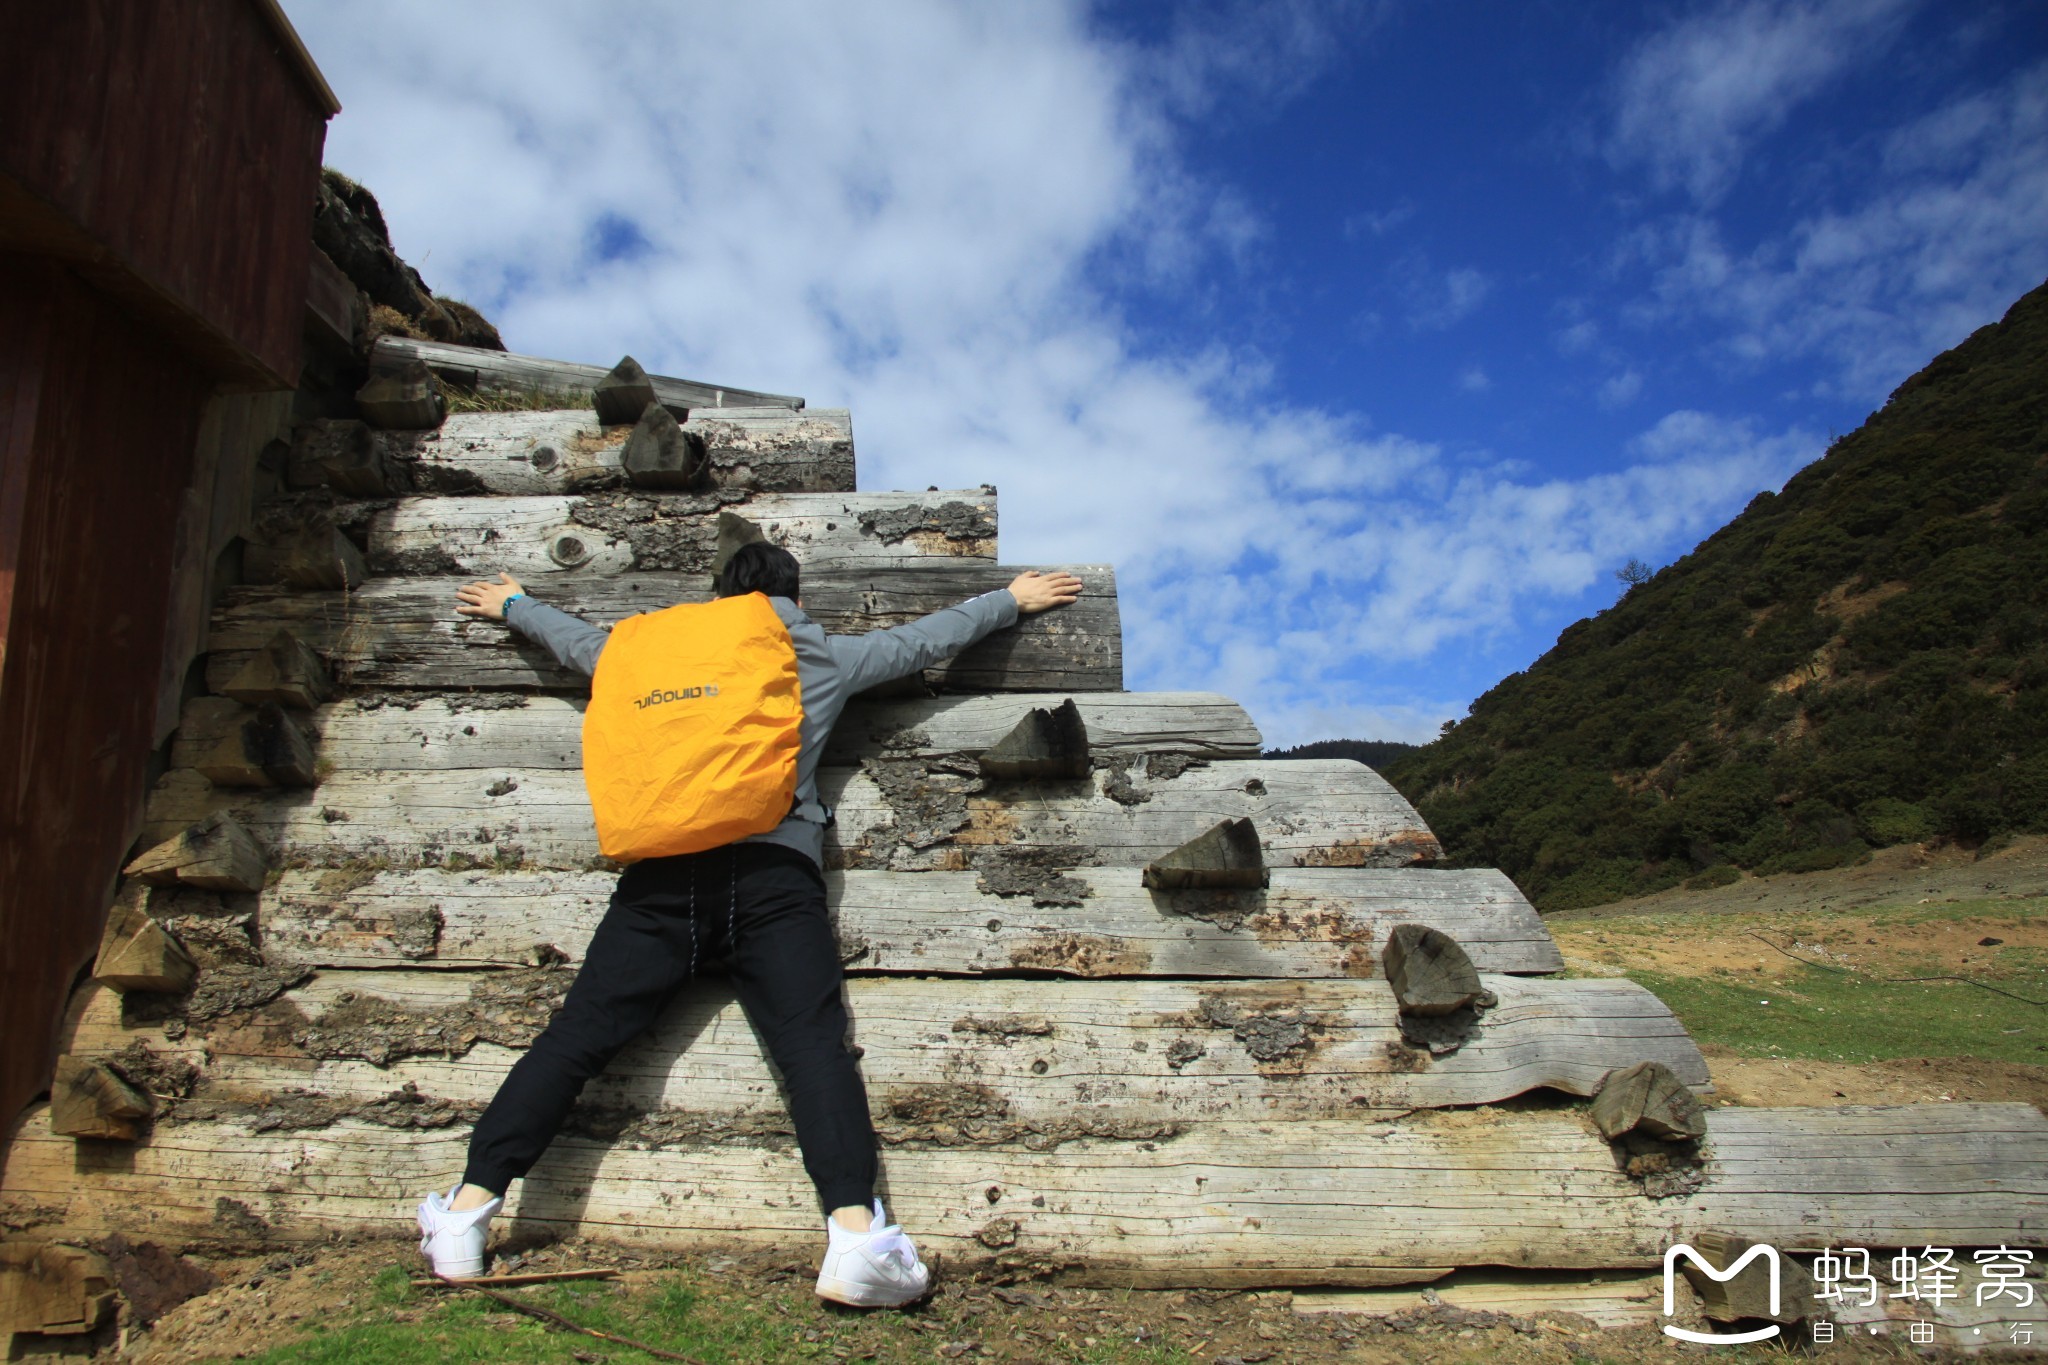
1858, 660
1886, 820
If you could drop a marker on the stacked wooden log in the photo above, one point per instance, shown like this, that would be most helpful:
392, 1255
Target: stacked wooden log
1135, 1005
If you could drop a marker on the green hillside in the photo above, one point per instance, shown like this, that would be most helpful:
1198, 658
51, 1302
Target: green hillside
1859, 660
1373, 753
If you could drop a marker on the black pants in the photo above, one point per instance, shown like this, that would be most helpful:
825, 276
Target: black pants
763, 908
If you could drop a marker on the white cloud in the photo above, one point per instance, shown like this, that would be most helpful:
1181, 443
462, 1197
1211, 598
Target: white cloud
1700, 440
1437, 300
1620, 390
1578, 338
1692, 97
899, 208
1949, 234
1248, 54
1464, 291
1432, 558
1473, 379
1377, 222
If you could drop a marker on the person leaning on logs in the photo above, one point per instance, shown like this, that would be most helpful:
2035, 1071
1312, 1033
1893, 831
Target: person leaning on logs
760, 901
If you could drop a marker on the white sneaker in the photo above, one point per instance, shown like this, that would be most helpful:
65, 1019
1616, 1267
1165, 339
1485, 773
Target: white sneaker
454, 1241
873, 1269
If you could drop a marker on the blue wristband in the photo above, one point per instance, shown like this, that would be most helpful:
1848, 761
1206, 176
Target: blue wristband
505, 608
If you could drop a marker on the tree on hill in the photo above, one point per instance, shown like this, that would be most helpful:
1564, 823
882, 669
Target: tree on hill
1373, 753
1857, 661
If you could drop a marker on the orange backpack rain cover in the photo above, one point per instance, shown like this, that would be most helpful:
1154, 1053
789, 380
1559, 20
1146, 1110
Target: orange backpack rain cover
692, 734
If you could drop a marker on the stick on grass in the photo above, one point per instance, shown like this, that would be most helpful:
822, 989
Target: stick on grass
554, 1319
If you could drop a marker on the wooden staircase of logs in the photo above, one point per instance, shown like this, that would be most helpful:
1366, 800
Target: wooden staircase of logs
1136, 1006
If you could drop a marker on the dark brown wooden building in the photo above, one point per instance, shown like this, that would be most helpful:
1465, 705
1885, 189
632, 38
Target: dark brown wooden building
158, 164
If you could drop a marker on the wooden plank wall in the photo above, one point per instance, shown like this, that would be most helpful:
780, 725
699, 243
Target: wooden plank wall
86, 552
129, 134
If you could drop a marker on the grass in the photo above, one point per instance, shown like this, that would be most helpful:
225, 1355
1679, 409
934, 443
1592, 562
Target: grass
1820, 925
411, 1327
700, 1316
1862, 1015
1837, 1017
724, 1322
1816, 925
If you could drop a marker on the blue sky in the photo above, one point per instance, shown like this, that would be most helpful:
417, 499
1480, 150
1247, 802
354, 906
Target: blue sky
1366, 340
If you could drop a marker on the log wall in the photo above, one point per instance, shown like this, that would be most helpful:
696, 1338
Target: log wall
1313, 813
1073, 1070
775, 450
1234, 1203
496, 370
434, 731
1090, 922
553, 539
403, 632
977, 1062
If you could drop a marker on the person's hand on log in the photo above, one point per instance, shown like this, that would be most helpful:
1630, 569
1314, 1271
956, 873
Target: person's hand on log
488, 599
1036, 592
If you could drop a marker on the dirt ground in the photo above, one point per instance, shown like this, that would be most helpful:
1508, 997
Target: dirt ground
1860, 918
1907, 874
268, 1301
1743, 942
1763, 1082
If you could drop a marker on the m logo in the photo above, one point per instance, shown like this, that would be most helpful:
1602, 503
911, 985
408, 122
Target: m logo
1770, 1257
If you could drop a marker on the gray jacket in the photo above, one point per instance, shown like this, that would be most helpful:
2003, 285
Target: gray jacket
830, 669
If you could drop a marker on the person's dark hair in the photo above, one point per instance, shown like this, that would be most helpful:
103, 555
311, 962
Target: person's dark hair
759, 567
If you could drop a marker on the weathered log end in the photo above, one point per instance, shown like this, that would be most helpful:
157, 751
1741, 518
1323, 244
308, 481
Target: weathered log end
48, 1290
1648, 1097
1436, 988
1429, 972
285, 671
344, 455
267, 749
1227, 855
1045, 743
311, 556
623, 395
216, 853
88, 1100
660, 454
1749, 1293
139, 954
406, 398
734, 531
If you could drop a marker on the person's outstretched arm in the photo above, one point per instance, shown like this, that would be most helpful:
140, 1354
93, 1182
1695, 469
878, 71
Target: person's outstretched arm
575, 642
882, 655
